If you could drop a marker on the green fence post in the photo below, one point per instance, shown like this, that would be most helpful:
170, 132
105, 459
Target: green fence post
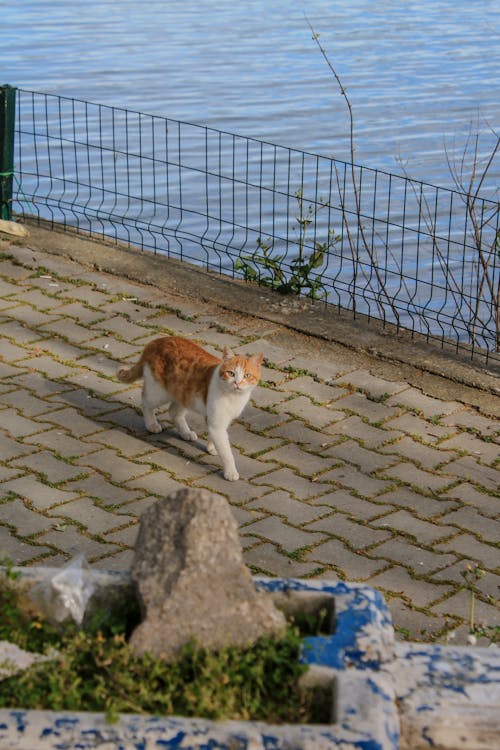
7, 121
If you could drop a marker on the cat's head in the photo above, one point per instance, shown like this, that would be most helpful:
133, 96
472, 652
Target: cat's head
238, 373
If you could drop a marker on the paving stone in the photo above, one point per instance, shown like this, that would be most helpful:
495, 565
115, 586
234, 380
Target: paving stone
373, 411
299, 487
276, 530
487, 453
19, 426
271, 352
17, 551
236, 492
471, 520
412, 556
356, 507
259, 420
126, 536
59, 349
357, 535
40, 495
6, 474
488, 585
97, 487
419, 427
398, 581
351, 566
468, 467
10, 448
156, 482
77, 425
41, 301
245, 517
87, 513
267, 397
307, 464
409, 474
29, 317
372, 385
469, 547
349, 476
88, 404
83, 314
54, 469
109, 463
418, 402
8, 371
410, 624
489, 505
7, 289
421, 505
425, 532
23, 520
71, 542
137, 507
61, 443
128, 445
422, 455
250, 442
11, 352
120, 561
319, 392
180, 467
50, 367
69, 330
42, 386
267, 560
87, 295
295, 511
367, 460
370, 436
471, 419
317, 416
458, 605
120, 350
297, 432
27, 404
321, 368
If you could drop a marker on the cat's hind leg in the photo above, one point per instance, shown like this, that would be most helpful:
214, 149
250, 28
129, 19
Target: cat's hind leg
153, 396
178, 416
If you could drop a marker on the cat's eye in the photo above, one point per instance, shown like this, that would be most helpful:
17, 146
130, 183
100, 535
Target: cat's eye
248, 375
230, 373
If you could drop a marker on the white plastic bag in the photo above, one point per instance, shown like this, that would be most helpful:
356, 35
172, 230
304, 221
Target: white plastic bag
65, 594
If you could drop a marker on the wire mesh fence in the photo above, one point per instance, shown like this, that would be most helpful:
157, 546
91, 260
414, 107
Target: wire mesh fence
380, 245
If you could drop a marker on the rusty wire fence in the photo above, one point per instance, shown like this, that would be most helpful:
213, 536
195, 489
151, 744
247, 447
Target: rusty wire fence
421, 257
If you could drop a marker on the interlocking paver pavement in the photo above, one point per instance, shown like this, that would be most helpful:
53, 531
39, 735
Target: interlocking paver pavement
345, 472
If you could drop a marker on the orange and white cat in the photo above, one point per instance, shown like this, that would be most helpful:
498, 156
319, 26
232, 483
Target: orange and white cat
180, 373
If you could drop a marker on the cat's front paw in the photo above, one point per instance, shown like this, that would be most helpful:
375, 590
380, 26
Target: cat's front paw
231, 475
189, 435
154, 427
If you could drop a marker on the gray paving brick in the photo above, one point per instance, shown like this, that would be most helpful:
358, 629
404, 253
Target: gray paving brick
367, 460
459, 605
11, 352
259, 420
10, 448
370, 436
468, 468
418, 402
246, 517
411, 624
82, 314
319, 392
288, 537
373, 411
250, 442
421, 505
297, 432
22, 519
356, 535
266, 559
317, 416
268, 397
157, 483
412, 556
71, 542
52, 468
299, 487
281, 504
91, 516
422, 455
419, 427
181, 467
17, 551
397, 580
76, 424
27, 404
469, 547
371, 384
425, 532
354, 506
110, 464
40, 495
349, 476
488, 585
120, 350
68, 329
410, 474
61, 443
321, 368
117, 561
126, 536
128, 445
471, 419
351, 566
483, 451
471, 520
50, 367
275, 354
489, 505
19, 426
41, 301
307, 464
96, 486
42, 386
236, 492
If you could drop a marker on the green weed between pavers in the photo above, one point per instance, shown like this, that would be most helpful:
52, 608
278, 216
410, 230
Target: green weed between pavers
96, 670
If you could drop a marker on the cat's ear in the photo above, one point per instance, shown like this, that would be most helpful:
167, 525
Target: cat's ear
227, 354
257, 359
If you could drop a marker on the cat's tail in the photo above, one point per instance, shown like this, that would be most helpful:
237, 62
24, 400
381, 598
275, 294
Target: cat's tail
130, 374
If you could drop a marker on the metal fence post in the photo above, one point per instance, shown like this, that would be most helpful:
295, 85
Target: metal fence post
7, 121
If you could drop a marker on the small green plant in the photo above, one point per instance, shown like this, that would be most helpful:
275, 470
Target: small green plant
96, 669
298, 276
472, 574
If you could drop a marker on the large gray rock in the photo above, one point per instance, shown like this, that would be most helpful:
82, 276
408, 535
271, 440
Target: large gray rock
191, 580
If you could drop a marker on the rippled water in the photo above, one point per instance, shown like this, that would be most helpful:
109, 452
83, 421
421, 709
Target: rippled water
417, 73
